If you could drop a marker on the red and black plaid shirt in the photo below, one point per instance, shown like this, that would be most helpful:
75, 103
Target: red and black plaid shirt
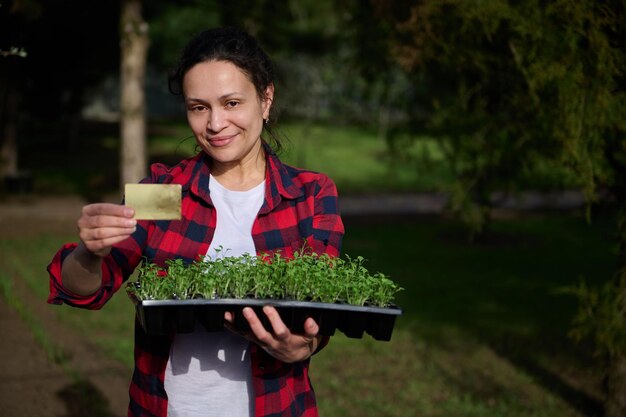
299, 206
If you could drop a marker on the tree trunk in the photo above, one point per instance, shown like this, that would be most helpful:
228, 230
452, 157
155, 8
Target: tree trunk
9, 103
9, 134
134, 48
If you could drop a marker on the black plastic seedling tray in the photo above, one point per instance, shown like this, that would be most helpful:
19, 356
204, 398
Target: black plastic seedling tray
162, 317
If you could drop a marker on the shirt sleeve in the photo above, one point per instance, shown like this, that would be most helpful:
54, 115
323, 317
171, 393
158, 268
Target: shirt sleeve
328, 229
116, 268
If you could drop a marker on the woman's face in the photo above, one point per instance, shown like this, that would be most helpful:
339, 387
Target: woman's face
224, 111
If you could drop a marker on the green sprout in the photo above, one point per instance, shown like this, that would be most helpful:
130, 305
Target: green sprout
304, 277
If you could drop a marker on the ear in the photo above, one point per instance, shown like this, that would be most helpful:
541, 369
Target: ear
267, 101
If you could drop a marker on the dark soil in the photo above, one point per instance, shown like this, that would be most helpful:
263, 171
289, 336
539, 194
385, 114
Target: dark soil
86, 383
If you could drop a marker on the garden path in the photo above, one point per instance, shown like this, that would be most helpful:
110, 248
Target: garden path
32, 384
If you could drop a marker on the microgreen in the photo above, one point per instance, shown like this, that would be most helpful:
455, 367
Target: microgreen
304, 277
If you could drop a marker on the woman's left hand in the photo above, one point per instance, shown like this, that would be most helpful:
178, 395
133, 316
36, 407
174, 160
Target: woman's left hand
281, 343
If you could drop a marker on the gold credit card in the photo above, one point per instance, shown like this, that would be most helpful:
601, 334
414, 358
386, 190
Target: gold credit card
154, 201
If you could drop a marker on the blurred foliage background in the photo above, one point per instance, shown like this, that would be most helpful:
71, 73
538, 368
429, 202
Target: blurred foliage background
474, 99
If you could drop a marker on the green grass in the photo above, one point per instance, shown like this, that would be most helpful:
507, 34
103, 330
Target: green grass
412, 375
360, 162
356, 159
484, 330
485, 326
54, 352
26, 259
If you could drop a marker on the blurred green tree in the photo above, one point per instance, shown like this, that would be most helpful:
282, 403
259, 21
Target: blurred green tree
173, 23
508, 86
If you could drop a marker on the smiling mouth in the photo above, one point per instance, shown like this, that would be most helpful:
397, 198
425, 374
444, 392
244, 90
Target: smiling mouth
219, 141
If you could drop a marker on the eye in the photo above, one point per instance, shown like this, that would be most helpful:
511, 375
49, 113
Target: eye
231, 104
196, 108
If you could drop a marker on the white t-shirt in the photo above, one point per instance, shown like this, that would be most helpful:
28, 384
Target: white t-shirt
209, 373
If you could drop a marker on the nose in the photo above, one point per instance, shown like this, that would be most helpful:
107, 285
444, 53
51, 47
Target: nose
217, 121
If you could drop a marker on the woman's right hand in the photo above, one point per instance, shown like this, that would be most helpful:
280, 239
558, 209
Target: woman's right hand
102, 225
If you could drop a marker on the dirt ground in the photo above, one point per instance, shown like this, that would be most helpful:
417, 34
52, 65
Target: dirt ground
32, 385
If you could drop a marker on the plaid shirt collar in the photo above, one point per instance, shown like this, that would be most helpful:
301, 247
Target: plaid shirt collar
278, 181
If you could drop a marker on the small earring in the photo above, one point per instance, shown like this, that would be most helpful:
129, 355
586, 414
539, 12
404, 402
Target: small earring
266, 121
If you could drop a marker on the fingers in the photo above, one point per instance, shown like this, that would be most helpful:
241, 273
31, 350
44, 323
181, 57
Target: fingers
256, 326
102, 247
229, 325
281, 331
108, 209
311, 328
103, 225
229, 317
280, 342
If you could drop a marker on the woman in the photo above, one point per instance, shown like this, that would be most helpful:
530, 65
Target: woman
237, 195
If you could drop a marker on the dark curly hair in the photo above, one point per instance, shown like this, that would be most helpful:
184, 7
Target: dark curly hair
225, 44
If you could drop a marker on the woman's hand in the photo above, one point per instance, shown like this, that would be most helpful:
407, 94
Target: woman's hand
281, 343
102, 225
